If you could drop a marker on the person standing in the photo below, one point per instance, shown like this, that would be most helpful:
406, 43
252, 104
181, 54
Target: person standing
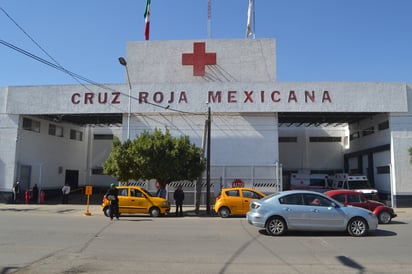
35, 194
16, 192
112, 196
179, 197
161, 190
65, 192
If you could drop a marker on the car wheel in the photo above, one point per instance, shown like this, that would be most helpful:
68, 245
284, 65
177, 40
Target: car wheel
154, 212
276, 226
106, 211
224, 212
357, 227
384, 217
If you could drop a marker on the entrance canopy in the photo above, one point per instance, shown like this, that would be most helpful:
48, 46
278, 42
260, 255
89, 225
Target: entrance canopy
285, 118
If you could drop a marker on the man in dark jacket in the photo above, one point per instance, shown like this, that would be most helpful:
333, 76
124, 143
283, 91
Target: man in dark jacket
112, 196
35, 194
16, 192
179, 197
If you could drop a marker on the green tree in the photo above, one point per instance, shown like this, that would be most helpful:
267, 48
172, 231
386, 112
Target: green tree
410, 155
121, 163
155, 155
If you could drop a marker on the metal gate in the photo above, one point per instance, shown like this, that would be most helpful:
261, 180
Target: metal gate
267, 179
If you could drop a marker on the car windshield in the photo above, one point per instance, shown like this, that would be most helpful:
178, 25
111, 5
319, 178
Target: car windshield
337, 202
268, 197
147, 192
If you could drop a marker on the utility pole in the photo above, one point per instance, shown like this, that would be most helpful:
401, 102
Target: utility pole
208, 162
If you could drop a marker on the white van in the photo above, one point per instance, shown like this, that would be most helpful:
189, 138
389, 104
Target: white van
355, 182
314, 182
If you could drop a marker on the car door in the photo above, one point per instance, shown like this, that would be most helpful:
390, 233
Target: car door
341, 198
357, 199
246, 197
233, 200
124, 201
321, 213
293, 210
138, 201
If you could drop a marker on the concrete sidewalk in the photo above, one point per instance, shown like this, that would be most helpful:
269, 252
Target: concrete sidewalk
78, 209
78, 205
95, 209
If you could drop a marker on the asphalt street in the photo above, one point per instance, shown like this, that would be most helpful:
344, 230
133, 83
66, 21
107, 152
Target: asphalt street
56, 238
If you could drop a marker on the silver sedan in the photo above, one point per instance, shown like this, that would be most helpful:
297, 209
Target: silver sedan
308, 211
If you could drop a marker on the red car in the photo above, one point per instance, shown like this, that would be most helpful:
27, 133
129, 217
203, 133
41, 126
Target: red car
354, 198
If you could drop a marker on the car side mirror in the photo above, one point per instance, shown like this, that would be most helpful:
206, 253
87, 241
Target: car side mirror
335, 205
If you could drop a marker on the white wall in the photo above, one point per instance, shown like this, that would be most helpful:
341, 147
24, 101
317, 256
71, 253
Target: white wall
401, 137
241, 60
238, 139
46, 153
382, 181
378, 138
99, 151
401, 141
305, 156
8, 138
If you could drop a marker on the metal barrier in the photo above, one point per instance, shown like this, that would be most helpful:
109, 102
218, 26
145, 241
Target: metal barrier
267, 179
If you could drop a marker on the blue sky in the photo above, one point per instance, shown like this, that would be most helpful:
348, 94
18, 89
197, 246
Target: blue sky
316, 40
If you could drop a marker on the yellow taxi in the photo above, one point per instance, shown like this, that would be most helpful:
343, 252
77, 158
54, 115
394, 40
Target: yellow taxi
235, 201
135, 199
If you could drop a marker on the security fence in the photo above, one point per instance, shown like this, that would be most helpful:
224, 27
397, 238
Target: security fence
267, 179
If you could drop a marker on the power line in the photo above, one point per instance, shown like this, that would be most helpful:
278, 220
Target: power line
77, 76
58, 66
37, 58
31, 38
38, 45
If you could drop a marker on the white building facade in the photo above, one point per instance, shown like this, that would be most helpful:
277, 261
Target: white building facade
47, 135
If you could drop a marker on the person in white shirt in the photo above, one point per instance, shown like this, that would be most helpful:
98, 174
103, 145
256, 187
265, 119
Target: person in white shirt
65, 192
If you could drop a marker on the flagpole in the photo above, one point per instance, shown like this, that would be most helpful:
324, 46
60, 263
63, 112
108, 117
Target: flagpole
147, 20
209, 19
254, 29
250, 20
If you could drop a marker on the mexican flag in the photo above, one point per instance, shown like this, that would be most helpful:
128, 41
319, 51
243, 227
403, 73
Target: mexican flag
147, 20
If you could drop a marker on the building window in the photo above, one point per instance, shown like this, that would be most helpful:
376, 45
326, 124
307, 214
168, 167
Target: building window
288, 139
354, 136
76, 135
97, 171
103, 136
383, 125
383, 169
327, 139
55, 130
32, 125
368, 131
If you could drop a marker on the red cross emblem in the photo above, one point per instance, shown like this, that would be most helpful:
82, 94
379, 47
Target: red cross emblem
199, 58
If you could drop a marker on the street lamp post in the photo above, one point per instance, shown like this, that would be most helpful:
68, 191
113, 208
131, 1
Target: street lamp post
208, 162
123, 62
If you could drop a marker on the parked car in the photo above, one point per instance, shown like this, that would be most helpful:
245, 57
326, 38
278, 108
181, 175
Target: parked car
235, 201
308, 211
355, 182
135, 199
350, 197
312, 182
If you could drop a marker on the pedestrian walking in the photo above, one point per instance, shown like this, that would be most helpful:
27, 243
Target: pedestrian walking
179, 197
27, 196
35, 194
65, 193
16, 192
112, 196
